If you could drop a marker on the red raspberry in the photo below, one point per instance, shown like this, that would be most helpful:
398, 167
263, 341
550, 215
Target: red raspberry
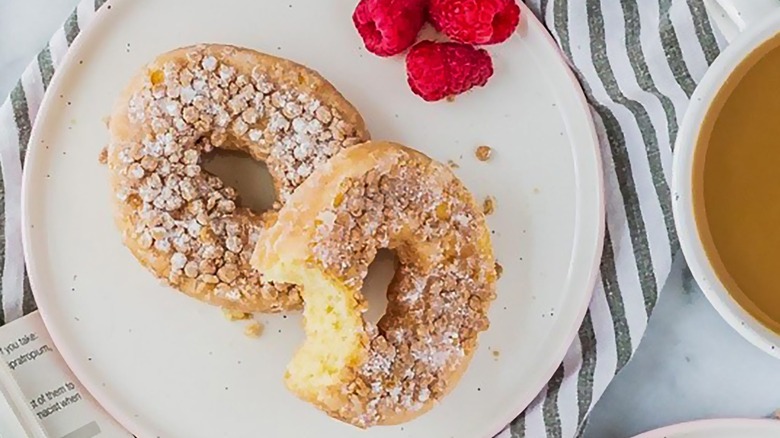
439, 70
389, 27
475, 21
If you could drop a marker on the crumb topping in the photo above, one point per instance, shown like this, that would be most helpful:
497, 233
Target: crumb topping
483, 153
103, 156
438, 300
253, 330
489, 205
235, 315
188, 219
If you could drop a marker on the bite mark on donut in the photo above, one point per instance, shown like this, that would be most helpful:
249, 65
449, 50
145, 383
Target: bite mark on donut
369, 374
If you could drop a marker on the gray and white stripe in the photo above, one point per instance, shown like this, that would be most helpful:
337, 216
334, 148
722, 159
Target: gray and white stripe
638, 62
17, 115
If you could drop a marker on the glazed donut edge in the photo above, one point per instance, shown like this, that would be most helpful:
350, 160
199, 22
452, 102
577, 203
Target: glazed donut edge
209, 259
372, 196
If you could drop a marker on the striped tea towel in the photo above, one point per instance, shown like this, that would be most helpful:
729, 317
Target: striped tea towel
638, 62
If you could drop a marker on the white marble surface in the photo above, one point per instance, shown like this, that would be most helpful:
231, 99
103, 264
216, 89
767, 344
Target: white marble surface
690, 365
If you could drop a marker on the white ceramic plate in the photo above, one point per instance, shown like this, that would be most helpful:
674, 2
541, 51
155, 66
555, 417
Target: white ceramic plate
726, 428
166, 365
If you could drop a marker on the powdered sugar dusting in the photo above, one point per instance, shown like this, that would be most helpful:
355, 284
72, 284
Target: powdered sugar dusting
438, 301
186, 218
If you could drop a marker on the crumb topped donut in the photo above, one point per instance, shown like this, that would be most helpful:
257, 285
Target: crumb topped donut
183, 223
373, 196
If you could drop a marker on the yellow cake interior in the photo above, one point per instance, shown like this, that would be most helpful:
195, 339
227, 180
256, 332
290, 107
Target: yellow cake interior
333, 327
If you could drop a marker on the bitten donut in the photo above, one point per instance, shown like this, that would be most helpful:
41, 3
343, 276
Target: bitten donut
372, 196
183, 223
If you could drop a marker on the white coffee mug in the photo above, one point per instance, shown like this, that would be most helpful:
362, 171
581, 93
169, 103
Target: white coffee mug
747, 24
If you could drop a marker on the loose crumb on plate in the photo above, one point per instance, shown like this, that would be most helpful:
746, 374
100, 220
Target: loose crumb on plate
483, 153
499, 270
234, 315
489, 206
254, 330
103, 156
452, 164
496, 353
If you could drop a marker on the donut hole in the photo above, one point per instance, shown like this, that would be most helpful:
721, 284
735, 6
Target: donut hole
380, 274
249, 177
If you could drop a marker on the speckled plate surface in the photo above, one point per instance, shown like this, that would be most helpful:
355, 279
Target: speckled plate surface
166, 365
725, 428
